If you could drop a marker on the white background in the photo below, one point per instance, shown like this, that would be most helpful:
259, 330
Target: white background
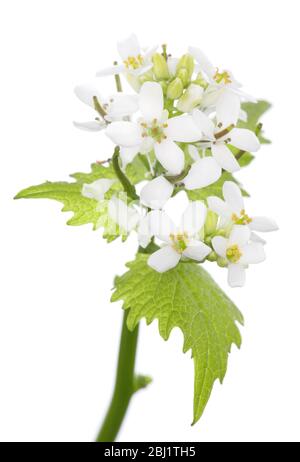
58, 331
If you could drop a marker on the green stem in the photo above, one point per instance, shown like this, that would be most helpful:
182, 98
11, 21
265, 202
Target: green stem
125, 385
127, 186
118, 80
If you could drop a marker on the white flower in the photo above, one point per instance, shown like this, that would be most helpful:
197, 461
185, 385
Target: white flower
182, 241
223, 91
156, 193
239, 253
115, 107
97, 189
134, 60
155, 131
131, 217
203, 172
218, 135
232, 210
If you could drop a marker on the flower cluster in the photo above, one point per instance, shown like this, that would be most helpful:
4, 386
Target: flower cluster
184, 123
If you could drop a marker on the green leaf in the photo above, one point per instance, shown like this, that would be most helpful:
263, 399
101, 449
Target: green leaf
84, 210
255, 111
214, 189
188, 298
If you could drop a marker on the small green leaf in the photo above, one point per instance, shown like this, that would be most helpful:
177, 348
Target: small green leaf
254, 112
188, 298
214, 189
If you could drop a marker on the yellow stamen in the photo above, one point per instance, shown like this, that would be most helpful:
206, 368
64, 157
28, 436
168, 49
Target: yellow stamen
134, 62
233, 253
222, 76
243, 219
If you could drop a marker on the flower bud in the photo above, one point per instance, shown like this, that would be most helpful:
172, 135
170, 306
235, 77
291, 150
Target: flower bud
183, 75
212, 256
175, 89
222, 262
147, 77
200, 81
191, 98
186, 62
211, 222
160, 67
164, 86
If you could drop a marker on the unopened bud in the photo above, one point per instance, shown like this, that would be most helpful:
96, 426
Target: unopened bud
147, 77
164, 86
211, 222
175, 89
160, 67
191, 98
212, 256
200, 81
222, 262
183, 75
186, 62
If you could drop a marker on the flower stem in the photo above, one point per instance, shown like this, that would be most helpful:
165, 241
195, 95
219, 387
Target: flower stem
125, 385
127, 186
118, 80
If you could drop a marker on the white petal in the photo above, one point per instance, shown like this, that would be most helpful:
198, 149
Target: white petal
86, 93
124, 133
128, 154
156, 193
204, 123
243, 115
129, 47
170, 156
183, 129
202, 173
205, 64
144, 232
253, 253
141, 70
164, 259
239, 235
244, 139
151, 101
126, 217
225, 158
256, 238
220, 207
193, 152
97, 189
236, 275
121, 105
172, 64
111, 70
193, 218
263, 224
161, 225
150, 51
220, 244
191, 98
228, 108
233, 196
197, 250
92, 126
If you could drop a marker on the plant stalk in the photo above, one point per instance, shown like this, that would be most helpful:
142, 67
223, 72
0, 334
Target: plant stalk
125, 385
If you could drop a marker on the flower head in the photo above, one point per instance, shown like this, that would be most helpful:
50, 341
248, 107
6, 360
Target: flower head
238, 252
179, 241
134, 60
155, 131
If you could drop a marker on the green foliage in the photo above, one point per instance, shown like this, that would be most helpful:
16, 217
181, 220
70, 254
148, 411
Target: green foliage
255, 111
84, 210
214, 189
188, 298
